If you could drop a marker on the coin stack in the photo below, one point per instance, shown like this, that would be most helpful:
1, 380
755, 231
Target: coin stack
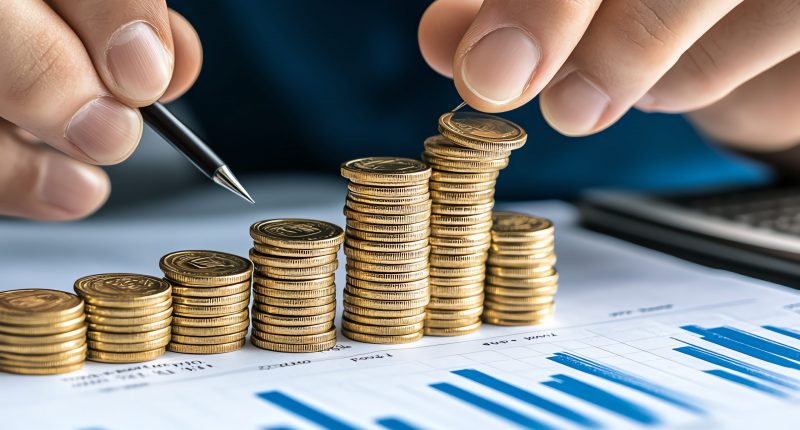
522, 279
42, 332
129, 316
295, 292
388, 212
466, 159
211, 292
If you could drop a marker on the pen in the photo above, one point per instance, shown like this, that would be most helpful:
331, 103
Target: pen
192, 147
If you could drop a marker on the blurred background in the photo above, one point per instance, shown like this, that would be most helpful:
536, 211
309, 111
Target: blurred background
302, 86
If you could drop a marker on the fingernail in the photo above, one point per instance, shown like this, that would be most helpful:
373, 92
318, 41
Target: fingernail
139, 62
500, 65
105, 130
71, 187
574, 105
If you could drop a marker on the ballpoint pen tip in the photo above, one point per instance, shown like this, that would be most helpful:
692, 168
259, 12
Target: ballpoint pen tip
224, 177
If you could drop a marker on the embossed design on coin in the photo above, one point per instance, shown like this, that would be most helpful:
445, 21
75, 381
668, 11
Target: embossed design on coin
386, 170
120, 286
512, 222
39, 301
481, 131
204, 264
296, 231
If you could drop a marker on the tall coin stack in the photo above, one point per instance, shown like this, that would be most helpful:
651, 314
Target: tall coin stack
211, 292
466, 159
42, 332
129, 316
388, 212
295, 290
522, 279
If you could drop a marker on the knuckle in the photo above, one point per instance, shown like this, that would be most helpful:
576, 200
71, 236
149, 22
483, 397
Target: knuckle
647, 27
43, 67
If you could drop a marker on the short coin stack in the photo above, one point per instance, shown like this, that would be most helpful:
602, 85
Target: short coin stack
388, 223
42, 332
295, 292
129, 316
466, 159
522, 279
211, 292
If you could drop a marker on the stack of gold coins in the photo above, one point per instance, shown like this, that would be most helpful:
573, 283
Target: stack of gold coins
42, 332
388, 213
522, 279
466, 160
211, 292
295, 289
129, 316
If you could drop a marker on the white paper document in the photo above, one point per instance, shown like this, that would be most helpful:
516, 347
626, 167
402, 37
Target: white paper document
640, 340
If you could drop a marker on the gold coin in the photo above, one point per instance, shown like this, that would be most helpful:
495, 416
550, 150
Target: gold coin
481, 131
78, 333
293, 330
52, 348
298, 294
532, 300
294, 285
373, 321
466, 165
463, 178
222, 321
460, 272
388, 295
206, 349
128, 347
387, 268
205, 268
22, 370
373, 338
40, 359
547, 290
444, 147
305, 339
456, 292
389, 192
388, 201
104, 311
227, 290
390, 228
209, 311
297, 233
460, 230
454, 315
293, 321
457, 281
400, 209
508, 322
521, 272
124, 357
462, 187
52, 328
288, 347
452, 331
522, 283
463, 322
212, 330
387, 219
524, 316
519, 227
296, 312
296, 303
139, 328
75, 359
516, 307
123, 290
129, 337
366, 245
386, 170
461, 241
299, 273
444, 250
388, 286
209, 339
403, 257
389, 305
277, 251
458, 304
524, 248
458, 261
267, 260
389, 237
522, 261
212, 301
381, 330
388, 277
382, 313
38, 306
147, 319
461, 220
462, 209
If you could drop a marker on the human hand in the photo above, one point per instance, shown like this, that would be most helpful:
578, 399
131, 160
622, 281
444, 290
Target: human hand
71, 77
732, 65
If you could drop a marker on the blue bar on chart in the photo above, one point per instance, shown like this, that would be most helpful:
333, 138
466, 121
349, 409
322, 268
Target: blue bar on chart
624, 378
749, 344
602, 398
749, 383
527, 397
304, 411
784, 331
490, 406
393, 423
